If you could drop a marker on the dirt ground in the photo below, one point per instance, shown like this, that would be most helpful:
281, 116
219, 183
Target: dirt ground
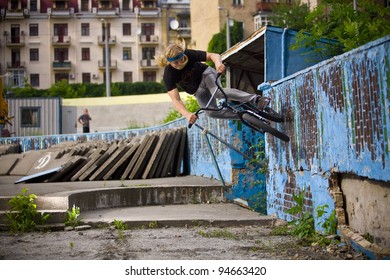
193, 243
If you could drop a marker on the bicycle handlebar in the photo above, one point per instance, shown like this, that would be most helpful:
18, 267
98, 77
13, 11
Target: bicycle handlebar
203, 109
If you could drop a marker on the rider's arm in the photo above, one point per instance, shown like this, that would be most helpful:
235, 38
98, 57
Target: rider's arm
180, 107
216, 58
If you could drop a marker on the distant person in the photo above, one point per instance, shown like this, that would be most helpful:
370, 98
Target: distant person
84, 120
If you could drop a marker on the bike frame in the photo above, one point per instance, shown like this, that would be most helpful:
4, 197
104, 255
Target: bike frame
236, 107
248, 114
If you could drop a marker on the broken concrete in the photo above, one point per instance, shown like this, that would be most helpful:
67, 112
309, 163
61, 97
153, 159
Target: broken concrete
157, 154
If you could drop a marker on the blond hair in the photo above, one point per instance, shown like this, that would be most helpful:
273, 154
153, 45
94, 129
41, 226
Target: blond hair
172, 50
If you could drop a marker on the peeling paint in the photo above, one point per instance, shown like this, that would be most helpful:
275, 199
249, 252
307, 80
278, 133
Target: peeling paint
337, 118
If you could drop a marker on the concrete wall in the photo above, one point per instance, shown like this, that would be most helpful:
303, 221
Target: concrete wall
117, 112
338, 121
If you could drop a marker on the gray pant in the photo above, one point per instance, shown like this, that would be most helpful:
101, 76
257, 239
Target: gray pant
207, 87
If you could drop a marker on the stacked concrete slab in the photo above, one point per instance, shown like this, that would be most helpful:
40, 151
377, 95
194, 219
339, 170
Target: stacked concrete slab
154, 155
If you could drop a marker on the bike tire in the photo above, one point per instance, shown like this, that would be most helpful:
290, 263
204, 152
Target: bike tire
271, 114
261, 126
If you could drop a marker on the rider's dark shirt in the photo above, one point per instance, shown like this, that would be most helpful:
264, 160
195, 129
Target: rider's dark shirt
190, 76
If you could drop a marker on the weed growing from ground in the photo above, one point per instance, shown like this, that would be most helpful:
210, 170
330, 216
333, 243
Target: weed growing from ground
153, 224
24, 215
118, 224
218, 233
304, 226
73, 217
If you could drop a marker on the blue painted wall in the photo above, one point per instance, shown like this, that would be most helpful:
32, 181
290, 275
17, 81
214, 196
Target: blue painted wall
281, 60
338, 121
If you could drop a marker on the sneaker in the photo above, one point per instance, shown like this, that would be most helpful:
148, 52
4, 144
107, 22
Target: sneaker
262, 102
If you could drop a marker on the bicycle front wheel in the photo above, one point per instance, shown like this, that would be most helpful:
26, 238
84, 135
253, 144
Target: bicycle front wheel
262, 127
271, 114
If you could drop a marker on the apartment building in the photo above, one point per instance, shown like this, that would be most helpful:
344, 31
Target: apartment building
210, 17
45, 41
176, 21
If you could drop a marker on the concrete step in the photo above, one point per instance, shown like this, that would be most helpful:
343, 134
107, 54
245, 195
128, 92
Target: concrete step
125, 197
57, 198
202, 214
93, 195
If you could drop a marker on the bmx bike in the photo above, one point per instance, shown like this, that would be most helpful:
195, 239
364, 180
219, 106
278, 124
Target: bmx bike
248, 114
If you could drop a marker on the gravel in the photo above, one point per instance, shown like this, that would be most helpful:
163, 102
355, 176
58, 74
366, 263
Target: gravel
192, 243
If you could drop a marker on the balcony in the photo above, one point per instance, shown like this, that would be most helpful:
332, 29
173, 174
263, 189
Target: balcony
15, 41
15, 65
148, 39
62, 65
16, 13
184, 32
148, 9
61, 40
148, 64
111, 40
107, 12
64, 12
102, 64
265, 6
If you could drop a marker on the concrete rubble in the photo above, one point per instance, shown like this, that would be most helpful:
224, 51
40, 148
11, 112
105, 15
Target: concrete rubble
154, 155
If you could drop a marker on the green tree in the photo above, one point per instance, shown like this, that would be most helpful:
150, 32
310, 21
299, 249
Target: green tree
191, 104
217, 43
290, 15
62, 89
338, 20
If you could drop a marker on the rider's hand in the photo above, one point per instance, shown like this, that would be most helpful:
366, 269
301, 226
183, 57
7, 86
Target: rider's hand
192, 118
220, 68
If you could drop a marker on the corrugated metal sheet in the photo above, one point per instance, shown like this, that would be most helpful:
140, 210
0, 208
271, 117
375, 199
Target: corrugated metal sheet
50, 116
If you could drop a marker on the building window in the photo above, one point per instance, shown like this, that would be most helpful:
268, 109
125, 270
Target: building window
148, 4
61, 76
148, 53
30, 117
149, 76
14, 5
105, 4
238, 2
34, 80
128, 77
126, 5
34, 54
61, 54
60, 29
147, 29
60, 5
85, 29
86, 77
126, 53
34, 5
17, 78
126, 29
84, 5
34, 31
85, 54
260, 21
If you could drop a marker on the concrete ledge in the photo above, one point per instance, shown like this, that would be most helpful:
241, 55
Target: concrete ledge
356, 241
142, 196
56, 216
125, 197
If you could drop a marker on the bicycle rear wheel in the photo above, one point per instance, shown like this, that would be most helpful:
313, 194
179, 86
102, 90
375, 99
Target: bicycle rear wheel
262, 127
